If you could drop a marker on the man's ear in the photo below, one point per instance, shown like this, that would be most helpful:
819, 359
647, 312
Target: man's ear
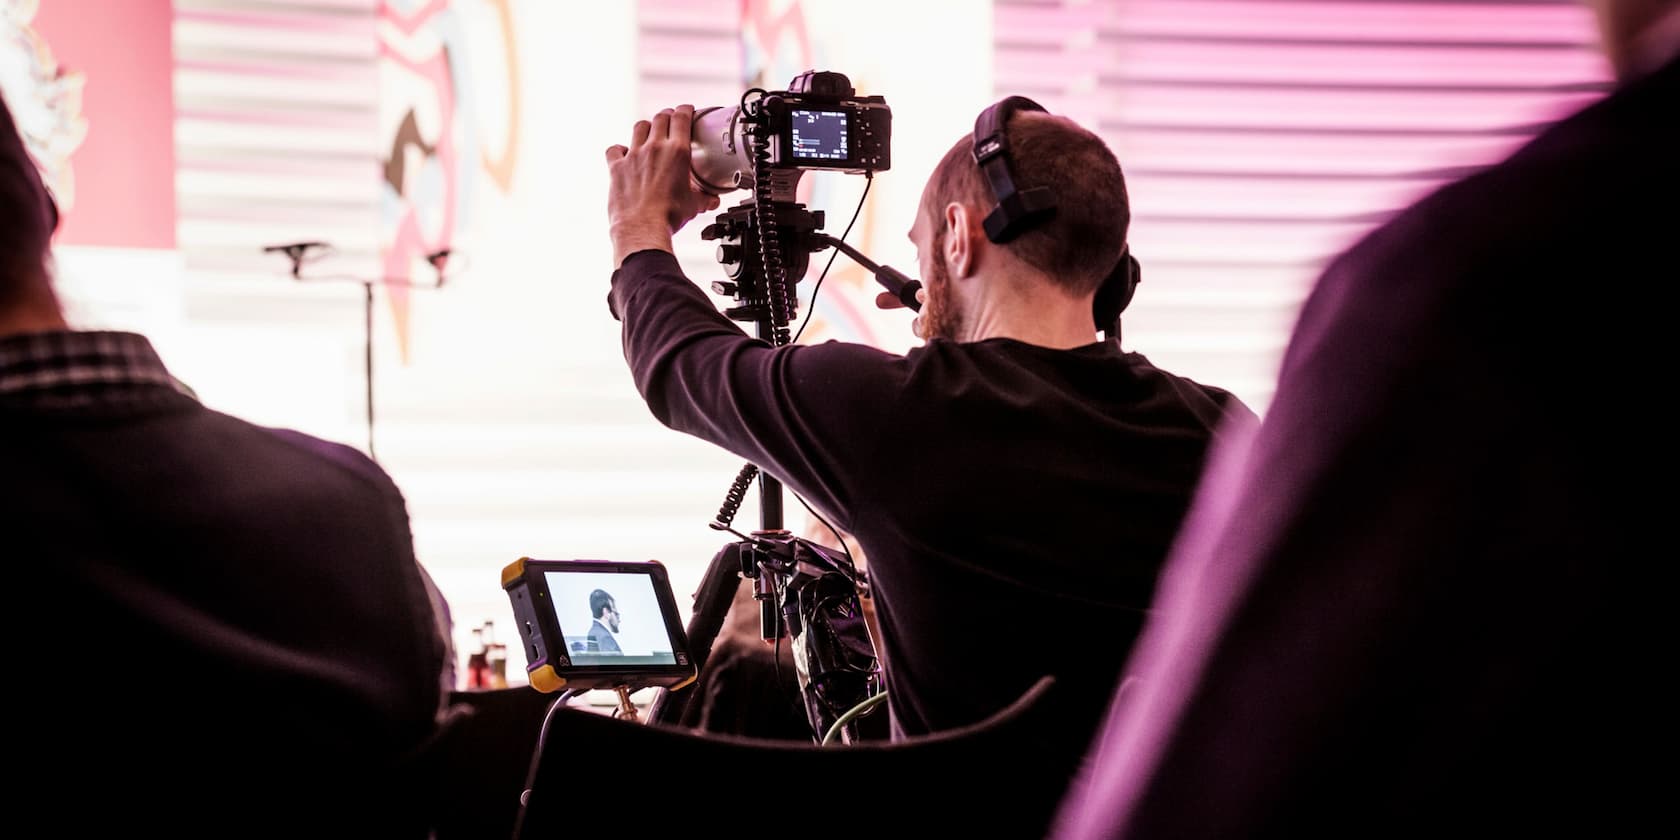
959, 239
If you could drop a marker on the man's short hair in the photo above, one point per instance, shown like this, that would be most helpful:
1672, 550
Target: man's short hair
27, 214
598, 602
1081, 244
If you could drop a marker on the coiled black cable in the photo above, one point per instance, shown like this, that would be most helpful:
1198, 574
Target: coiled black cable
736, 495
775, 281
769, 240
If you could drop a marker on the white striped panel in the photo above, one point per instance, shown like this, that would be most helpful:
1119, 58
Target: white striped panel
1260, 137
276, 135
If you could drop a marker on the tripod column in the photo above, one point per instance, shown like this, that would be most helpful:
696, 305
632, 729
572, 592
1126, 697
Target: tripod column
367, 358
769, 489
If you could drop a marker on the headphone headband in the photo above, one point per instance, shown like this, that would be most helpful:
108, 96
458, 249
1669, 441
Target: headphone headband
1017, 211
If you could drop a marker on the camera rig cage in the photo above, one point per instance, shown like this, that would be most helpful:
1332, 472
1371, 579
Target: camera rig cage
766, 144
804, 591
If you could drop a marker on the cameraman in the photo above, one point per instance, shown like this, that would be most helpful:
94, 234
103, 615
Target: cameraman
1012, 466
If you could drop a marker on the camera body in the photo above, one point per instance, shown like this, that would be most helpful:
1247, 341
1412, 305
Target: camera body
818, 123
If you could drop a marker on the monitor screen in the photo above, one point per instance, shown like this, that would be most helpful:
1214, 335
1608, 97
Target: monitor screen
610, 618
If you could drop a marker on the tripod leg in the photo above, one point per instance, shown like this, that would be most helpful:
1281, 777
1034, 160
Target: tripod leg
711, 604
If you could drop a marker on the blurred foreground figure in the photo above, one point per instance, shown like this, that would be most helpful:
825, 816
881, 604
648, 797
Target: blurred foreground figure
1419, 601
238, 639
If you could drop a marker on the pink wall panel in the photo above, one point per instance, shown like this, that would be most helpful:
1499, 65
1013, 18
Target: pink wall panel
125, 168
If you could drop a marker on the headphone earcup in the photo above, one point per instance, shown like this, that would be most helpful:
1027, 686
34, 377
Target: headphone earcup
1116, 291
1134, 276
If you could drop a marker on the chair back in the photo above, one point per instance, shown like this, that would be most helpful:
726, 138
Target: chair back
991, 778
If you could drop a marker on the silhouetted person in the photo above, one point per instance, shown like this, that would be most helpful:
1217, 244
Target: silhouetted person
245, 642
1424, 601
1014, 463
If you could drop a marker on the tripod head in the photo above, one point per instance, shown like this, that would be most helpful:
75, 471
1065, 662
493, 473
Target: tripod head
742, 247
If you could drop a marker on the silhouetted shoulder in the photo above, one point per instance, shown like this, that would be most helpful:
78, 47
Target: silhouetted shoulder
284, 469
1563, 231
347, 460
1579, 184
1210, 403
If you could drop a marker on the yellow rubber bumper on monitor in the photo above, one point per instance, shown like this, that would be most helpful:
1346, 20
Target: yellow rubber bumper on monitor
514, 571
545, 680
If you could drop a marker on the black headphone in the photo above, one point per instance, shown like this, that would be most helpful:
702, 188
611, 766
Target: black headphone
1018, 211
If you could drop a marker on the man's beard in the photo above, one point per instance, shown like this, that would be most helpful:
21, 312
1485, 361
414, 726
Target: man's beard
940, 318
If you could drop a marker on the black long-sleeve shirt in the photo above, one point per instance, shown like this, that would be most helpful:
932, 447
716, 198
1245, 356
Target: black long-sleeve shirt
1015, 502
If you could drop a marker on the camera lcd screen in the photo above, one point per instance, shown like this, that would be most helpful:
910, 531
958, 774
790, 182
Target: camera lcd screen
820, 135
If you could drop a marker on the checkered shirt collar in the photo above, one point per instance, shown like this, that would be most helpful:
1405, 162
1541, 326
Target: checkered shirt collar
64, 363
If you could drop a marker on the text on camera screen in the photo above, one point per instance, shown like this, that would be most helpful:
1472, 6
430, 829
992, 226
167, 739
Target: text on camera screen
819, 135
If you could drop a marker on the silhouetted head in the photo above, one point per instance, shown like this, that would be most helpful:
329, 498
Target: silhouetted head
1073, 251
28, 217
1638, 35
